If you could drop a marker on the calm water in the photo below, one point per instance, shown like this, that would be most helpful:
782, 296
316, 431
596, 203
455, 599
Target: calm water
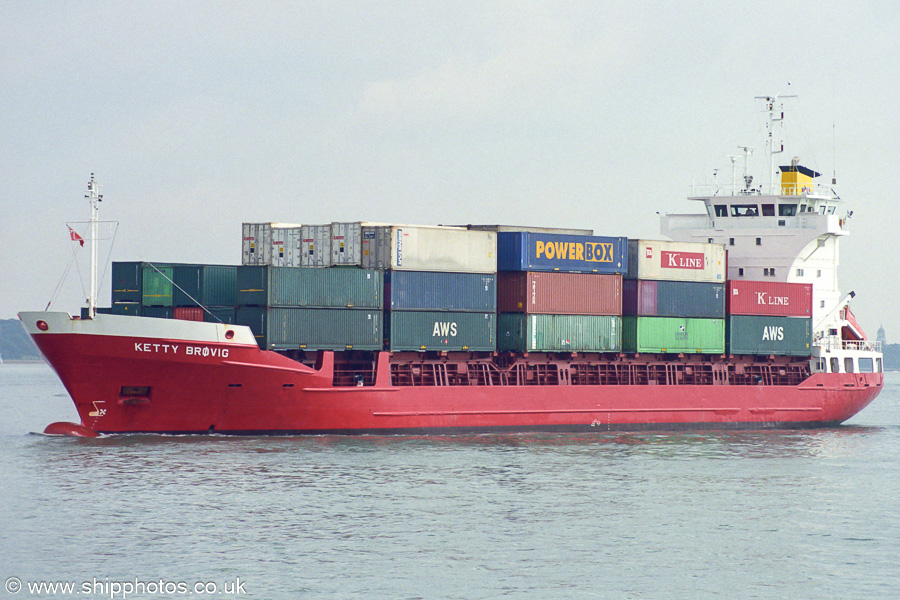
810, 514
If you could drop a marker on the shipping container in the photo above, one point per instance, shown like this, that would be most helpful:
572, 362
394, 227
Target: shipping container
769, 335
258, 241
515, 228
220, 314
315, 246
428, 290
206, 285
535, 292
433, 330
673, 335
310, 287
346, 244
422, 248
518, 332
278, 328
156, 285
157, 312
692, 299
126, 281
188, 313
126, 308
286, 245
776, 298
676, 261
527, 251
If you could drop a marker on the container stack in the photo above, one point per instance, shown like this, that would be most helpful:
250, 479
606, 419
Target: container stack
769, 318
167, 290
271, 244
310, 308
440, 286
559, 292
674, 298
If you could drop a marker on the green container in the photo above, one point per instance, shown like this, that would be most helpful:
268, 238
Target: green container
156, 286
288, 328
206, 285
673, 335
769, 335
310, 287
441, 330
559, 333
217, 314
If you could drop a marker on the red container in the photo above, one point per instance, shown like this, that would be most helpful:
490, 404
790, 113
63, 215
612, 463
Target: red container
559, 293
776, 298
188, 313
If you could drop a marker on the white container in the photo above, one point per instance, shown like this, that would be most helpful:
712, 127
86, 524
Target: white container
257, 241
424, 248
315, 246
286, 246
346, 243
676, 261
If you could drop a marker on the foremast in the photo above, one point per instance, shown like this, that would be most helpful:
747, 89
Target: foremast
94, 197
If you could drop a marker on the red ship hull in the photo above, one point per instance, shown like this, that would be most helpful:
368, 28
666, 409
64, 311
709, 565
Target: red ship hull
158, 382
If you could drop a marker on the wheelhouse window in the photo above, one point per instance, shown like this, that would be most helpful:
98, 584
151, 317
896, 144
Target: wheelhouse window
866, 365
787, 210
835, 365
721, 210
878, 365
848, 365
768, 210
744, 210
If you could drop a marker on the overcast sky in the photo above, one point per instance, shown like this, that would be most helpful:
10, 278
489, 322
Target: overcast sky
198, 116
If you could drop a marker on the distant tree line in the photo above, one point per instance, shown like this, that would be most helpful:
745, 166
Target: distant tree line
15, 343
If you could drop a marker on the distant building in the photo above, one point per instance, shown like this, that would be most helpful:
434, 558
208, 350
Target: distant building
880, 337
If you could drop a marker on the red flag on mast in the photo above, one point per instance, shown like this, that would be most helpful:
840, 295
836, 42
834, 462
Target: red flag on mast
73, 235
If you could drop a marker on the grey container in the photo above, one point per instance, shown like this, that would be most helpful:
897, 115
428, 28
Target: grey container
315, 246
310, 287
769, 335
433, 330
346, 244
279, 328
286, 245
518, 332
426, 290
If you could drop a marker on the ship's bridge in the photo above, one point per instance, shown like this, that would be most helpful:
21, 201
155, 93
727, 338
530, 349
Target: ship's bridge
792, 236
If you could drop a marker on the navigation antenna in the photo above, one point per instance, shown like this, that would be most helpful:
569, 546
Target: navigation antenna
93, 194
775, 109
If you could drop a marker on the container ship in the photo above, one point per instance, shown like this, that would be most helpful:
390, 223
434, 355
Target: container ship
735, 321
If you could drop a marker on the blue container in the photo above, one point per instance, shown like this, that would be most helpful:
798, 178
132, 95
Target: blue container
529, 251
696, 300
426, 290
